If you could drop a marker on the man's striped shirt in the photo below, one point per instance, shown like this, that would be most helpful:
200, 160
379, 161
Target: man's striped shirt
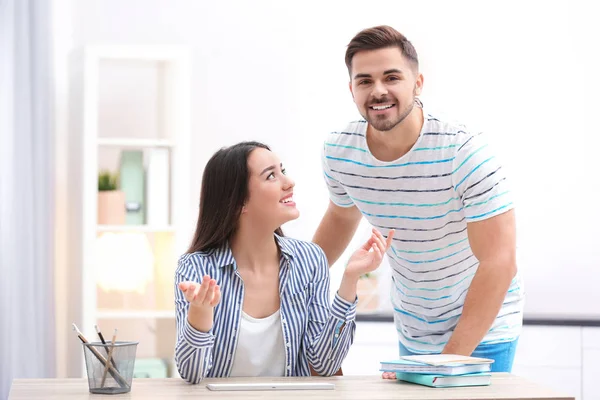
449, 178
315, 331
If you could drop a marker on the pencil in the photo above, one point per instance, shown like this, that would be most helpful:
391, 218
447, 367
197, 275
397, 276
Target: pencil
115, 374
109, 359
104, 343
100, 334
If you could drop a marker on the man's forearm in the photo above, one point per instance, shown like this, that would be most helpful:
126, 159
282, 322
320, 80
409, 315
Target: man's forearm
482, 304
334, 234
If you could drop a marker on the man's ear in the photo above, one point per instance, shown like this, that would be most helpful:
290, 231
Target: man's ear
351, 92
419, 85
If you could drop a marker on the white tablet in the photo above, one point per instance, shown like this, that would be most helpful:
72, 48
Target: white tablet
271, 386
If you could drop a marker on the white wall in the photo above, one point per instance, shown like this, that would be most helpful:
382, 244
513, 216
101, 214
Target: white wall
274, 71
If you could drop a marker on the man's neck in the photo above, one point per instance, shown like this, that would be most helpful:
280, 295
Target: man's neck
395, 143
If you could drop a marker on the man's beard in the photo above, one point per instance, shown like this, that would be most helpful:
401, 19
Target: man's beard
383, 123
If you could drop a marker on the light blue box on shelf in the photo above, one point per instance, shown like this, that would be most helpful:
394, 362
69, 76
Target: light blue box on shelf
132, 183
150, 368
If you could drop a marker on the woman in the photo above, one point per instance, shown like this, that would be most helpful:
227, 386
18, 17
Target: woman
251, 302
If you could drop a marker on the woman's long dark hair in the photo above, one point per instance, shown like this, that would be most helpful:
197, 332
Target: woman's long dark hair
223, 194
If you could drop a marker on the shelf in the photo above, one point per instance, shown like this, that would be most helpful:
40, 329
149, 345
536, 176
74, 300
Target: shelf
136, 228
132, 142
96, 139
132, 314
154, 53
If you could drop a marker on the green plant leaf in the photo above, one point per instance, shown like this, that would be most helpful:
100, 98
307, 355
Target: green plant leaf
107, 181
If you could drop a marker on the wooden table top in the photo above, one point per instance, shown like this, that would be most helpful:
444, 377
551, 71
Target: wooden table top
504, 386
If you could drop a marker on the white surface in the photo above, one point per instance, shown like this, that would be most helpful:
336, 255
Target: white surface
591, 374
120, 314
373, 342
563, 380
271, 386
551, 356
157, 187
591, 338
556, 346
591, 363
136, 228
134, 142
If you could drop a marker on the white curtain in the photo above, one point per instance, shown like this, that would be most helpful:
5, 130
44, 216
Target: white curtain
27, 331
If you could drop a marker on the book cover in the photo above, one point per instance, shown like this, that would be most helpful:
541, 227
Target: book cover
446, 359
438, 381
413, 366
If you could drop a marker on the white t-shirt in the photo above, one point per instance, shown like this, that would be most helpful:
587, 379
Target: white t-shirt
260, 350
450, 177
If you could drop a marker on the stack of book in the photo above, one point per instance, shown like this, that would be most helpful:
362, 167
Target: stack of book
441, 370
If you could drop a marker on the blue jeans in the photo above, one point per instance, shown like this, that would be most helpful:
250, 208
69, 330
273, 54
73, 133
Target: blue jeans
503, 354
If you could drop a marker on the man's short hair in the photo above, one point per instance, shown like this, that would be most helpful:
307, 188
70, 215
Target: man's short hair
381, 37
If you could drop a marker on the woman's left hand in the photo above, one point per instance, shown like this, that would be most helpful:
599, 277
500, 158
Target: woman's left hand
369, 256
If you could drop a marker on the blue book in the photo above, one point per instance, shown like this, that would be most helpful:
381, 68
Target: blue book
480, 379
449, 369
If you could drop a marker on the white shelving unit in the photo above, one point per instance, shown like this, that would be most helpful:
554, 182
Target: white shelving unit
120, 314
136, 228
134, 142
86, 144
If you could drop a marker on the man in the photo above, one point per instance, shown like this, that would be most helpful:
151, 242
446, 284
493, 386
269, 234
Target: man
455, 287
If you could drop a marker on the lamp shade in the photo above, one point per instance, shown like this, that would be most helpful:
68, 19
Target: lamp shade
123, 261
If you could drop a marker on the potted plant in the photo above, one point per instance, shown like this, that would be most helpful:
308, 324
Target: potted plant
111, 201
367, 291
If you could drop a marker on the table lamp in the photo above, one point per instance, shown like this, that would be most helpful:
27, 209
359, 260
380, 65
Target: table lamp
123, 262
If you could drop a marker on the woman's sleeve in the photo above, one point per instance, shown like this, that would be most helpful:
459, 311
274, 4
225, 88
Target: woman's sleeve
193, 349
330, 326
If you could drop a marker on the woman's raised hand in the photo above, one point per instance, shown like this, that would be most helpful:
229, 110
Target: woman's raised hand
369, 256
205, 294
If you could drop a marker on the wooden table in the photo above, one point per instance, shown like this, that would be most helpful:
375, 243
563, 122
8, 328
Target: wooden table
504, 386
